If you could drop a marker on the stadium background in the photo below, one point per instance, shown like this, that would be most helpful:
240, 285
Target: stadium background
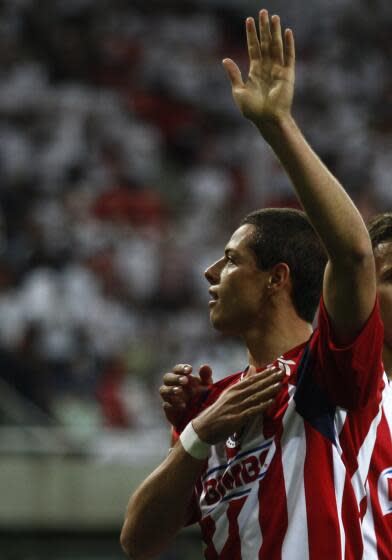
123, 168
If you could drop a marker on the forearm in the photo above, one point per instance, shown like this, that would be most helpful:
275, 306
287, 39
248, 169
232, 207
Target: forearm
328, 207
158, 509
349, 287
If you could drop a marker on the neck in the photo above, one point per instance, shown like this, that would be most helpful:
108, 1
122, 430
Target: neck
276, 336
387, 359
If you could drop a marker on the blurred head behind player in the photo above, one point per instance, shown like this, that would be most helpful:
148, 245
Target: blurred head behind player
380, 230
271, 273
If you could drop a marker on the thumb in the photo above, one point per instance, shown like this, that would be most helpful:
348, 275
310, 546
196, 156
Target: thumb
205, 373
233, 72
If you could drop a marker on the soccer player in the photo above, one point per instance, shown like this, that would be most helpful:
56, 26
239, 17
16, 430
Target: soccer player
377, 523
274, 465
182, 393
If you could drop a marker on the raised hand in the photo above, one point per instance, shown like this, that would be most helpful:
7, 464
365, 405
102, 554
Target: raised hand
181, 389
267, 94
238, 404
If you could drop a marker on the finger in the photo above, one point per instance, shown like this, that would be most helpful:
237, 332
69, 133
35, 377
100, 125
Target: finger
265, 35
262, 396
171, 392
174, 379
175, 400
267, 381
252, 375
289, 48
173, 409
205, 373
233, 72
276, 43
259, 383
182, 369
261, 386
257, 409
253, 43
165, 391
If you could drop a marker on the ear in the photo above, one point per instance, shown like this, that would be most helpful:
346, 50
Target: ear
279, 278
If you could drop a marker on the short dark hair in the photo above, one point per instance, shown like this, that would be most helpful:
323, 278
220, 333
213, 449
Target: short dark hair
380, 229
286, 235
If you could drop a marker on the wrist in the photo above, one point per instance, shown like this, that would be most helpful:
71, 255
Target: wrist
276, 126
200, 429
193, 444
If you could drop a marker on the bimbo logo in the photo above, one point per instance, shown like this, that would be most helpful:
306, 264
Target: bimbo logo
384, 488
238, 474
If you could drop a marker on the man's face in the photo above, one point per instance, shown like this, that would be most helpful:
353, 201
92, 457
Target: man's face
238, 286
383, 256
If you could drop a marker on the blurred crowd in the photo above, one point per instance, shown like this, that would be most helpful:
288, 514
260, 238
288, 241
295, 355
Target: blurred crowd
124, 167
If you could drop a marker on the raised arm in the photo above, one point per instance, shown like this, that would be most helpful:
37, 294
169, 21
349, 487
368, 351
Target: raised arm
266, 98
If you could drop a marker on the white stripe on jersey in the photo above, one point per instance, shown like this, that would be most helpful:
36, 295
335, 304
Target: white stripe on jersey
222, 527
250, 531
339, 420
364, 456
339, 476
369, 547
248, 519
293, 444
339, 473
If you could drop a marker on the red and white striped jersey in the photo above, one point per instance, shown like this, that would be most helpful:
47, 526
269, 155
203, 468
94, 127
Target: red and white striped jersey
377, 523
290, 486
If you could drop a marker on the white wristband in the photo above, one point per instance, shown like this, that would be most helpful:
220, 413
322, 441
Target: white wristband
192, 444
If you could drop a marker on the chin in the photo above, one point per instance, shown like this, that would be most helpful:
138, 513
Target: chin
224, 327
217, 322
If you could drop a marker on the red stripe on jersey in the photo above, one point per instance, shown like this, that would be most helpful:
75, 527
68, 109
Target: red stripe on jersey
323, 538
208, 530
349, 459
232, 548
362, 508
354, 544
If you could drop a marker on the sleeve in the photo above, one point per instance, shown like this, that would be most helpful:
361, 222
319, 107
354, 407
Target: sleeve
350, 375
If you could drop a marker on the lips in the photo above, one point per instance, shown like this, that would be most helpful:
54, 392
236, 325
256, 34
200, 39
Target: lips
214, 297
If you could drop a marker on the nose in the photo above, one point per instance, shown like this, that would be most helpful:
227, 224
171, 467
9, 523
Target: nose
212, 273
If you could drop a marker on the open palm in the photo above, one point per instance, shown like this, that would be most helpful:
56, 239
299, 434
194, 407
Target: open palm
268, 92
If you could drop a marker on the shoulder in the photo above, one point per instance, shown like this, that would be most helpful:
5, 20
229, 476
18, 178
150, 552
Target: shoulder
371, 330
